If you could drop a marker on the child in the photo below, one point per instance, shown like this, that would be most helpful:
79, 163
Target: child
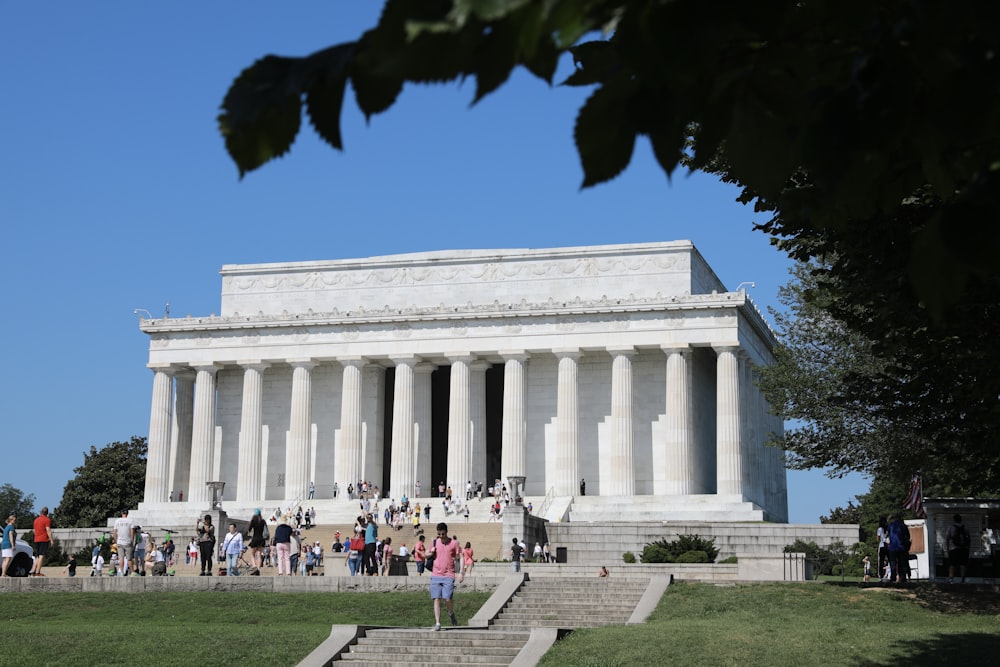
868, 569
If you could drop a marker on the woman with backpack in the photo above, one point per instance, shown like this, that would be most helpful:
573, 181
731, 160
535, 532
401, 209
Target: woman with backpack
958, 542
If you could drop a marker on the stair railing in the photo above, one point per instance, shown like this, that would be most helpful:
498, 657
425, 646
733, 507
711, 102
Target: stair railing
547, 502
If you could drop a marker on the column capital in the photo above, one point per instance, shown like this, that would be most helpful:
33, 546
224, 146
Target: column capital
424, 367
210, 367
254, 364
458, 357
726, 347
305, 362
623, 350
408, 359
679, 348
357, 362
514, 355
480, 365
169, 369
567, 353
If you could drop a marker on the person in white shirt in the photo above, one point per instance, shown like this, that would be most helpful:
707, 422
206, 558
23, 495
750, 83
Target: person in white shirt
155, 563
233, 547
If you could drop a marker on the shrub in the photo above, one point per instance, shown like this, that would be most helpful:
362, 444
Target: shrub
693, 557
656, 553
628, 557
732, 560
663, 551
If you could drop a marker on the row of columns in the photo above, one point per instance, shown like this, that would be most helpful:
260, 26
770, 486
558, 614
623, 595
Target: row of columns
740, 468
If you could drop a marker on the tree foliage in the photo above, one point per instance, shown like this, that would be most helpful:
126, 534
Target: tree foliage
111, 479
883, 401
13, 501
833, 116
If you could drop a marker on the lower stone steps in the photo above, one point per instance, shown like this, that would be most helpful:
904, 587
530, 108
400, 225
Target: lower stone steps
424, 646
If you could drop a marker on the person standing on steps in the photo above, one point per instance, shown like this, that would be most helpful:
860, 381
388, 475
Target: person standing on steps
583, 487
515, 555
444, 551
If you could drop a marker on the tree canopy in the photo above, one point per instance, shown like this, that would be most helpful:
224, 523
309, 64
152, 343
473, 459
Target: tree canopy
833, 116
13, 501
111, 479
860, 403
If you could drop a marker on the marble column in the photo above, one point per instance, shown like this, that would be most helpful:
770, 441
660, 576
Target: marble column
729, 457
567, 424
401, 464
180, 445
621, 480
158, 453
423, 422
459, 423
513, 444
682, 460
347, 462
203, 434
299, 431
477, 416
248, 480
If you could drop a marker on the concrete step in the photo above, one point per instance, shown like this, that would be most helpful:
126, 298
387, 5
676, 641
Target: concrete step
423, 646
554, 623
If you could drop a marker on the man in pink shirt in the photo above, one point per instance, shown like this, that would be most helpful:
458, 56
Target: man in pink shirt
444, 551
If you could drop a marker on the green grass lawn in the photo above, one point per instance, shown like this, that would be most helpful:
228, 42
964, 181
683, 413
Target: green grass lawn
695, 624
164, 629
795, 625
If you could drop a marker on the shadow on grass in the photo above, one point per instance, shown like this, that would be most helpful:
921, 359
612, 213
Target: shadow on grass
952, 649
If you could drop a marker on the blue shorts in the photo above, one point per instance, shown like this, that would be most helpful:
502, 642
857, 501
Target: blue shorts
442, 588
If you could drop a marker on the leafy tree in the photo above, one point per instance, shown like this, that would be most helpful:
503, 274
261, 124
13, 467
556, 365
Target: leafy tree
884, 404
111, 479
13, 501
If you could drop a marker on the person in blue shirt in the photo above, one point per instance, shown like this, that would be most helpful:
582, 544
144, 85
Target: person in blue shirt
369, 561
899, 548
8, 544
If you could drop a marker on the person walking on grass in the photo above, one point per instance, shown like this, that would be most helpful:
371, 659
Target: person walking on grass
444, 551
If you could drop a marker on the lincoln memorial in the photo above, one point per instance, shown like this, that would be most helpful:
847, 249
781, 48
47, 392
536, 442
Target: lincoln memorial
631, 367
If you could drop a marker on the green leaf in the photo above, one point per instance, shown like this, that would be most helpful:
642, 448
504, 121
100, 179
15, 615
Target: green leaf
325, 95
595, 62
261, 112
605, 133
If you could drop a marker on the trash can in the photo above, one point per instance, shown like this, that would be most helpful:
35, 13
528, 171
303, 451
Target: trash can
397, 568
560, 554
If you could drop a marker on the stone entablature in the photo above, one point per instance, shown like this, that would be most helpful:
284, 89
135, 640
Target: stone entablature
628, 364
458, 277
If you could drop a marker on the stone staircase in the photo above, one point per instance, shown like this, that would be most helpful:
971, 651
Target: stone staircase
571, 602
420, 646
531, 614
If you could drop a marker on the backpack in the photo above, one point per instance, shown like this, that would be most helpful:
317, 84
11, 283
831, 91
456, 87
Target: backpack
961, 538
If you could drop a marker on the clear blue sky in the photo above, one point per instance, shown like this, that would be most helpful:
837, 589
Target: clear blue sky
116, 193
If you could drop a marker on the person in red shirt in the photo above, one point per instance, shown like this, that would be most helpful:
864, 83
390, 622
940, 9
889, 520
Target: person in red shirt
444, 551
43, 537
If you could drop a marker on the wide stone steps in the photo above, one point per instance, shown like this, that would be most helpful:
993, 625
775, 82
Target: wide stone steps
563, 602
571, 602
423, 646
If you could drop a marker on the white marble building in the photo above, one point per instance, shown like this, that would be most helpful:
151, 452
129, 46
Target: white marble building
629, 366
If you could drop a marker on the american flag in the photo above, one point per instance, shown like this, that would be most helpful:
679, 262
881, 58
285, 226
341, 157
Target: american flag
915, 499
